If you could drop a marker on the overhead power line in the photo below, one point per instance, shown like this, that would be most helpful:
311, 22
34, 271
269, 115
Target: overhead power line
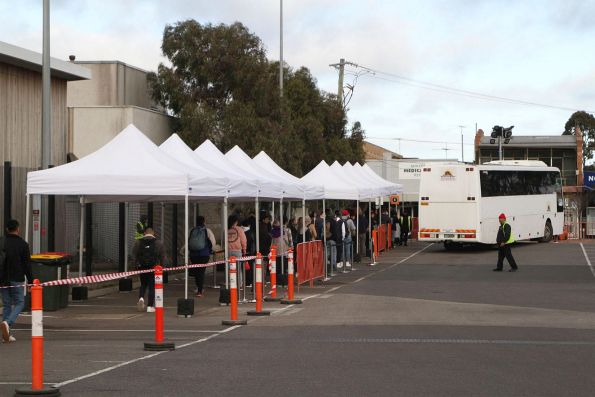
399, 79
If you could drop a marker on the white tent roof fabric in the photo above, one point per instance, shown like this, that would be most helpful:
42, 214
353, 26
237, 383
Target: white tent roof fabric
130, 167
385, 187
336, 187
209, 153
366, 190
229, 184
311, 192
290, 188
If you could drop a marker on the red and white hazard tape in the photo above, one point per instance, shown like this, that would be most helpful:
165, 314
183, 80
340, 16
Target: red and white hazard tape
115, 276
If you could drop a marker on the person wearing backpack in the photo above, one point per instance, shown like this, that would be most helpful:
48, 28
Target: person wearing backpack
147, 253
15, 265
200, 247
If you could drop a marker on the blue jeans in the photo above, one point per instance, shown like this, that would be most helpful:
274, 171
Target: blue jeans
347, 253
331, 248
13, 300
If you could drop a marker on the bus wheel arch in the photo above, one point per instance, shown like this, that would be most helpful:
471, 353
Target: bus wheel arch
548, 232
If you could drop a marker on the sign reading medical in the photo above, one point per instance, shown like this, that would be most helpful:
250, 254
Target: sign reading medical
589, 180
410, 170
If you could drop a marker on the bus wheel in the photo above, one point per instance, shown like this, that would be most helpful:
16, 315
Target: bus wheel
548, 233
449, 245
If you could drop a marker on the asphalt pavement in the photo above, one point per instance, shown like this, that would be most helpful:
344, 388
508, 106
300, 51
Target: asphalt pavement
423, 322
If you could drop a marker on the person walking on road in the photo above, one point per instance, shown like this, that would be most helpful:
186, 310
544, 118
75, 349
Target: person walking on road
504, 240
15, 265
405, 223
147, 253
200, 247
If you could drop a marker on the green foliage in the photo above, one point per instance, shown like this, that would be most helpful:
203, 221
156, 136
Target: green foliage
221, 86
586, 123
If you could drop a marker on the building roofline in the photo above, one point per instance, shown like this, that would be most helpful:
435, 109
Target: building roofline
112, 63
31, 60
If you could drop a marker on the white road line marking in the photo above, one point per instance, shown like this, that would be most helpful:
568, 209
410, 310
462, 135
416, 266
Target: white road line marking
310, 297
333, 289
588, 260
123, 364
326, 296
108, 369
359, 279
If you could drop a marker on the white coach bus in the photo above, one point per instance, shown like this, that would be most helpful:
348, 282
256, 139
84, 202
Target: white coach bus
460, 204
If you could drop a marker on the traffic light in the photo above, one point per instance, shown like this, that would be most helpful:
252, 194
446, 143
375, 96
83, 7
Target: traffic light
507, 132
497, 131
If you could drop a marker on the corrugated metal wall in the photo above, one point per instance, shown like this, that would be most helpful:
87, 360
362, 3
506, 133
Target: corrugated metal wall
20, 131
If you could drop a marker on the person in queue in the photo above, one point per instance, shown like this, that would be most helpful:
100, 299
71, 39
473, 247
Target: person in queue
15, 265
147, 253
200, 247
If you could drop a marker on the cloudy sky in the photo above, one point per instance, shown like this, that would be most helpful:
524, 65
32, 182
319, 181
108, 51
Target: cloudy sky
538, 52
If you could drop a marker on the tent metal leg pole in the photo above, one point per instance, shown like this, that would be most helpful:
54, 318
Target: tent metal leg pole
186, 247
162, 231
126, 208
370, 232
81, 235
226, 243
27, 218
357, 228
282, 232
326, 278
303, 220
257, 215
195, 214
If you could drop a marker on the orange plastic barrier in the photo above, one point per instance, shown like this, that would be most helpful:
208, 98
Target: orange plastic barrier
382, 238
310, 262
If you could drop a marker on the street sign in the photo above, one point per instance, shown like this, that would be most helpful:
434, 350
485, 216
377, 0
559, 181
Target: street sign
589, 180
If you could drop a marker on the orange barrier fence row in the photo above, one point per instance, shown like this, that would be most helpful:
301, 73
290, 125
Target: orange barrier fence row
310, 262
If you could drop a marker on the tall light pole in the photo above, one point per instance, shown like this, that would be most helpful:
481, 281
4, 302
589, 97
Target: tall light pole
462, 152
281, 48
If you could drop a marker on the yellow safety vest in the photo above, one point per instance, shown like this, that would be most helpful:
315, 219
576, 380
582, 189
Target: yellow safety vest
138, 235
511, 238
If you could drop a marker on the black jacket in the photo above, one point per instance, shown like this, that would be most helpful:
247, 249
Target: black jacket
503, 233
18, 260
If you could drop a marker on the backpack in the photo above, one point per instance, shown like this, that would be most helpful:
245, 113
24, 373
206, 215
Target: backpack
338, 232
198, 242
147, 253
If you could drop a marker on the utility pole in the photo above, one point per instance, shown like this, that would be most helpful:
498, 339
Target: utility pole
281, 48
341, 67
462, 152
46, 136
41, 204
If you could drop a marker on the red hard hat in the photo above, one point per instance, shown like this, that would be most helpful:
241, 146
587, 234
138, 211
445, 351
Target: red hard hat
345, 212
502, 216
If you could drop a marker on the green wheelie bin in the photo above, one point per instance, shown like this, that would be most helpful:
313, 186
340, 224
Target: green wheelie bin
50, 266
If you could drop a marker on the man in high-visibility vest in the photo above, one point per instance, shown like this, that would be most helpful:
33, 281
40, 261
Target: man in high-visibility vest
141, 225
504, 240
405, 223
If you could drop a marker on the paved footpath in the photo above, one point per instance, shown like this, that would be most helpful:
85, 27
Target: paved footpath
424, 322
